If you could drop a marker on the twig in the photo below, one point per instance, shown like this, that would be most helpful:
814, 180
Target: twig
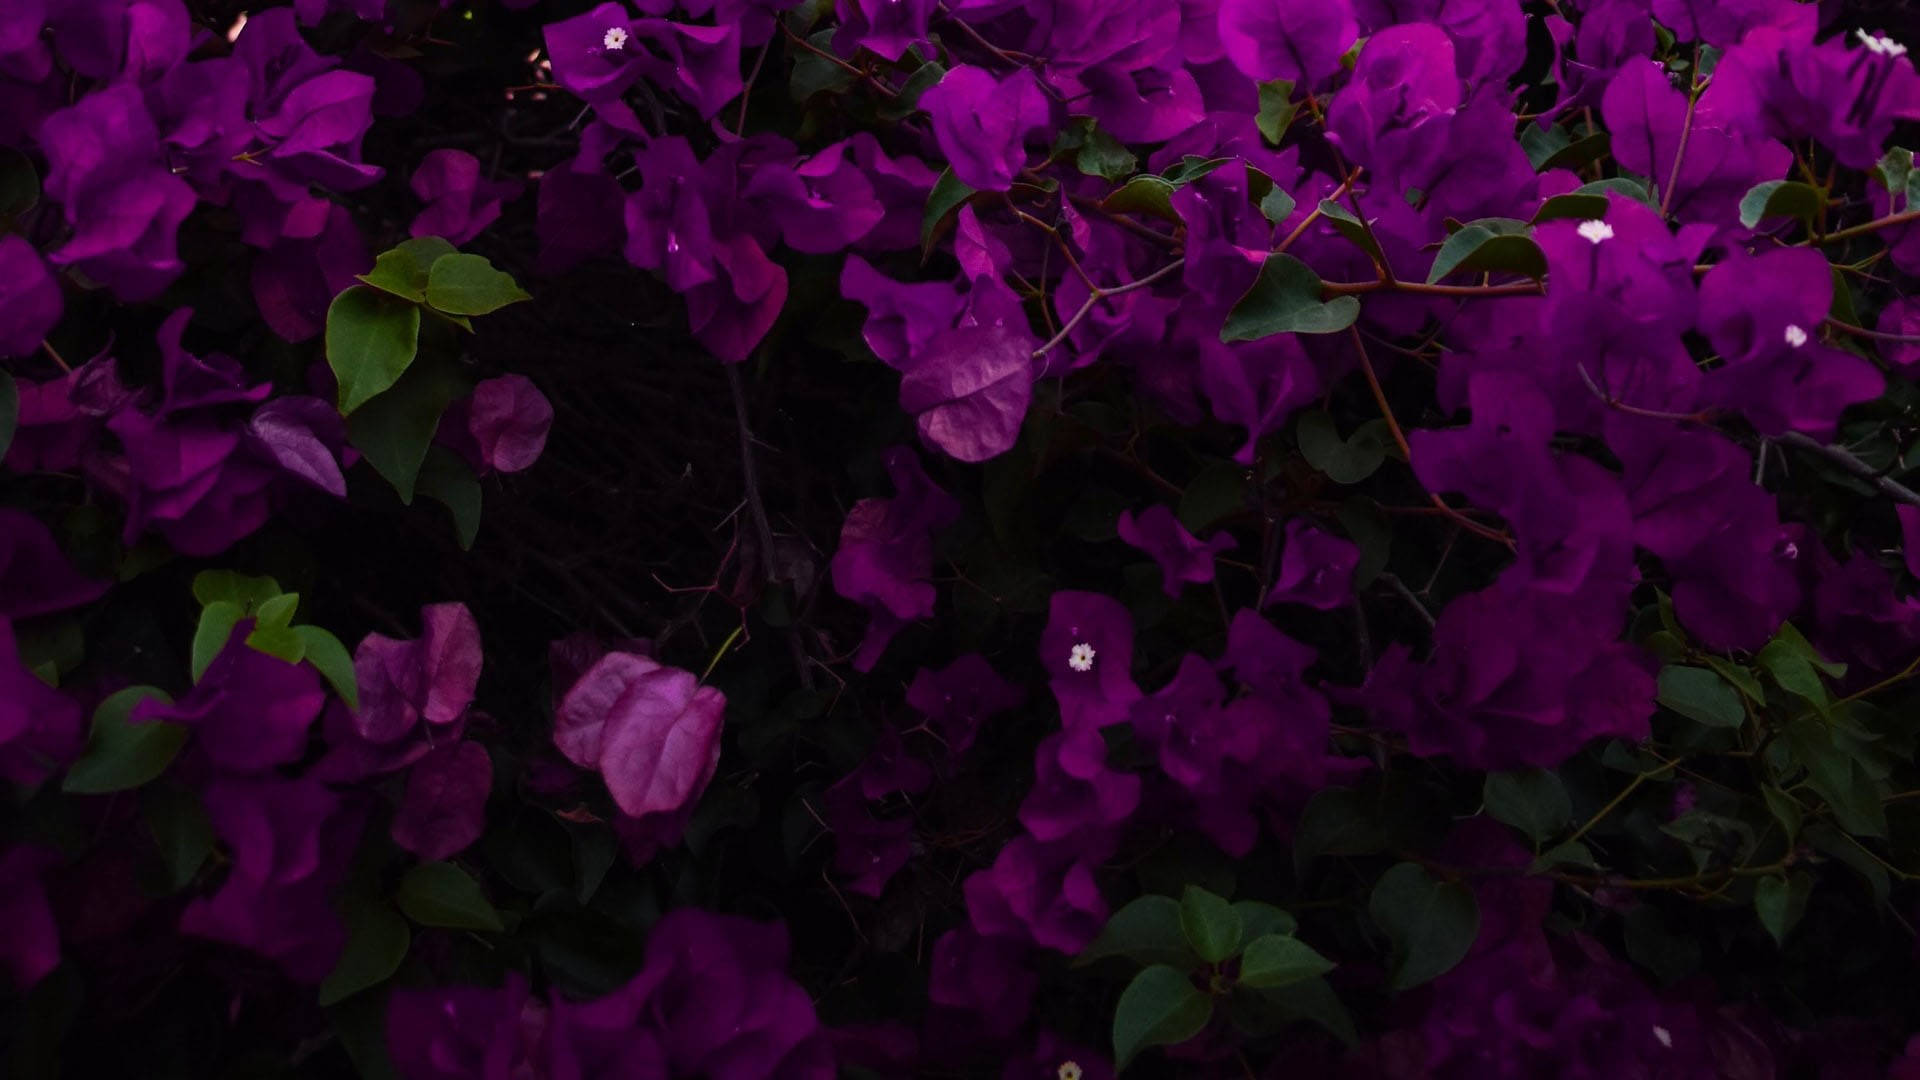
1891, 488
1393, 582
758, 508
1094, 297
1887, 222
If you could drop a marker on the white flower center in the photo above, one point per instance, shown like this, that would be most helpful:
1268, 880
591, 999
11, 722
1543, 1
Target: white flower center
1081, 659
1665, 1036
1880, 44
616, 38
1595, 231
1796, 337
1069, 1070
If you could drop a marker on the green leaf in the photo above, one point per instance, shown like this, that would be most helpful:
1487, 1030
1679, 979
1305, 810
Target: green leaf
1372, 531
377, 941
1541, 143
1531, 800
1780, 198
402, 270
1625, 185
19, 182
279, 642
1211, 925
1431, 923
1490, 245
1700, 695
1582, 151
948, 193
1742, 679
907, 101
813, 73
217, 621
1345, 461
332, 660
442, 894
1259, 919
243, 590
446, 479
1104, 156
1796, 668
395, 429
277, 612
1785, 809
372, 338
1275, 205
1285, 299
469, 285
1144, 195
181, 831
1215, 492
1570, 853
1574, 205
121, 754
1312, 1000
1192, 167
1780, 900
9, 412
1277, 110
1160, 1007
1146, 931
1277, 960
1350, 226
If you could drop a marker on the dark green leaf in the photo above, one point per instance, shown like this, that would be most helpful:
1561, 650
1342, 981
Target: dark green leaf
1211, 925
377, 941
446, 479
1311, 1000
372, 338
332, 660
181, 831
469, 285
1372, 531
121, 754
1571, 853
1104, 156
1192, 167
814, 73
1345, 461
9, 412
1700, 695
1160, 1007
1625, 185
1780, 900
279, 642
276, 613
361, 1024
395, 429
1490, 245
1431, 923
907, 101
1259, 919
1542, 142
1276, 960
1285, 299
1780, 198
1276, 110
1275, 205
1531, 800
402, 270
1837, 845
243, 590
1216, 492
1144, 195
1336, 821
217, 621
1572, 205
442, 894
1785, 809
1146, 931
942, 203
1582, 151
19, 182
1742, 679
1347, 224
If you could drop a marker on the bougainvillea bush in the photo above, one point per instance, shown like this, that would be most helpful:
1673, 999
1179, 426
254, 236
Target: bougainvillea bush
959, 538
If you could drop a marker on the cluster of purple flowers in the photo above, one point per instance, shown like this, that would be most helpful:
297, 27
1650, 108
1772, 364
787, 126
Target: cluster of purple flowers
1057, 187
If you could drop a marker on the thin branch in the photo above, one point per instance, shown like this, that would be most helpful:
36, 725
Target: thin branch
1887, 222
1891, 488
1095, 297
758, 508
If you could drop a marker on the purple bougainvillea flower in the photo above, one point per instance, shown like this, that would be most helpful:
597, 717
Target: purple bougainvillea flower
731, 315
594, 55
1255, 385
29, 298
250, 711
460, 203
1262, 658
35, 576
40, 728
958, 698
1764, 315
507, 419
296, 278
444, 808
886, 552
867, 849
651, 731
1901, 319
1390, 117
1181, 555
982, 123
189, 483
1075, 796
1316, 568
1087, 651
1275, 39
1042, 894
969, 389
886, 27
1849, 91
192, 382
464, 1032
901, 317
292, 842
1647, 116
29, 938
979, 986
304, 436
700, 64
430, 680
821, 204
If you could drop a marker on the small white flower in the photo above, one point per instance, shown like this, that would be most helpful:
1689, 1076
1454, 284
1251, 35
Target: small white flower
616, 38
1796, 337
1665, 1036
1069, 1070
1880, 44
1081, 658
1595, 231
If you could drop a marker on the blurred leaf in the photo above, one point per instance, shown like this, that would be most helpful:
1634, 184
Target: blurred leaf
1285, 299
372, 338
448, 480
1780, 900
905, 103
181, 831
1491, 245
442, 894
814, 73
377, 941
945, 198
121, 754
1345, 461
1275, 960
1276, 110
1348, 225
1160, 1007
19, 182
217, 621
1700, 695
1431, 923
1741, 677
1211, 925
1542, 142
332, 660
395, 429
1531, 800
1259, 919
9, 412
1372, 531
1215, 493
1580, 152
1146, 931
1780, 198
